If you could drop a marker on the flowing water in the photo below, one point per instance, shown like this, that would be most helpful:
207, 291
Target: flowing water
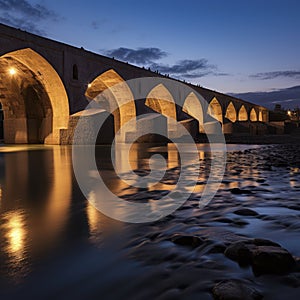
54, 244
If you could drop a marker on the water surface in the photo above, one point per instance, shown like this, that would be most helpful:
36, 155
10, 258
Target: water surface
54, 242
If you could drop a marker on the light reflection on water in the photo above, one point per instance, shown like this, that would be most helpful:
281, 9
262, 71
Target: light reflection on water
42, 209
15, 234
35, 199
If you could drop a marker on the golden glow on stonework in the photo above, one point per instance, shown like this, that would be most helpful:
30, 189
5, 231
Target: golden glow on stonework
12, 71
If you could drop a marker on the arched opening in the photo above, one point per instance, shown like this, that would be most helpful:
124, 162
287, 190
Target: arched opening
243, 116
75, 72
38, 108
215, 110
34, 100
253, 115
260, 116
193, 107
264, 115
231, 112
114, 96
160, 100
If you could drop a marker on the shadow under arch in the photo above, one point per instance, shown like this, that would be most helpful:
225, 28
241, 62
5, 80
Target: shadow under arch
193, 107
253, 115
215, 110
32, 77
112, 99
231, 112
243, 116
160, 100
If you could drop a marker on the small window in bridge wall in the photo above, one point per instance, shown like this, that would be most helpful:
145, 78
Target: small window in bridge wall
75, 72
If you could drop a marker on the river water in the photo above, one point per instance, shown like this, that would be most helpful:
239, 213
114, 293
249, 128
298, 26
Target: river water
55, 245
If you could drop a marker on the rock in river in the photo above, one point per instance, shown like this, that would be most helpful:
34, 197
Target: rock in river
234, 290
187, 240
265, 257
238, 191
245, 212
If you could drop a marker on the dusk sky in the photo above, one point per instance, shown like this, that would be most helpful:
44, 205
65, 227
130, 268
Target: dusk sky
229, 46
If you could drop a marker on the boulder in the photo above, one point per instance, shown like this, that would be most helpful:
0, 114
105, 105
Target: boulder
245, 212
270, 259
265, 257
187, 240
234, 290
239, 252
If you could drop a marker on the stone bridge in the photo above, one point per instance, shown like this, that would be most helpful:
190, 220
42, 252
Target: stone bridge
45, 85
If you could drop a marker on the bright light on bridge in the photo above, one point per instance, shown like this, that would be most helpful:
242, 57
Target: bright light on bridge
12, 71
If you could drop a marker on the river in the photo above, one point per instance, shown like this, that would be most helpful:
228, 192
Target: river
55, 244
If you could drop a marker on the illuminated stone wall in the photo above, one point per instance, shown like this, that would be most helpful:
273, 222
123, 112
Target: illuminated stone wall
59, 80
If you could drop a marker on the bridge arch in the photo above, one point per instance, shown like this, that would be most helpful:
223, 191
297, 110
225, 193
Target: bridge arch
231, 112
160, 100
119, 100
193, 107
34, 99
253, 115
215, 109
260, 116
243, 115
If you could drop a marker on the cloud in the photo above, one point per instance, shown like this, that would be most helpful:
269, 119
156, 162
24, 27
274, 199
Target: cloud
21, 23
195, 75
140, 56
148, 57
221, 74
95, 25
276, 74
26, 16
204, 73
188, 69
185, 66
287, 100
37, 11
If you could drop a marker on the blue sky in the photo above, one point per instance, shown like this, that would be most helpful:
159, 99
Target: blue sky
229, 46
